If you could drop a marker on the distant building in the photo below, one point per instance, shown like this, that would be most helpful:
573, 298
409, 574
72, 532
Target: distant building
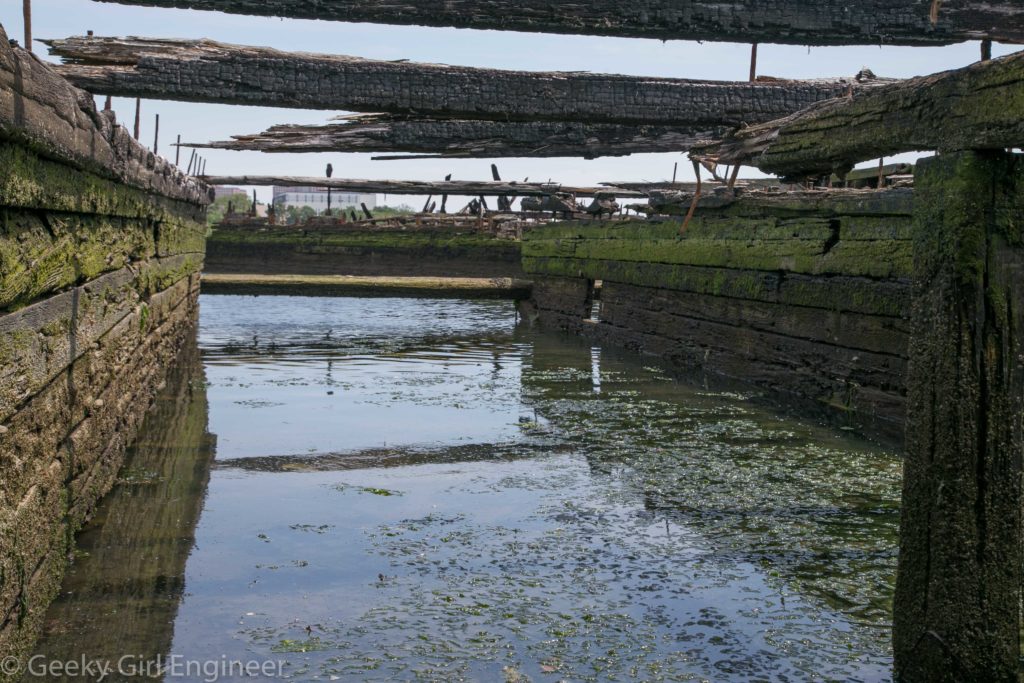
219, 192
316, 198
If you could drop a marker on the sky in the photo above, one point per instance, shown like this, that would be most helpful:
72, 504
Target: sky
494, 49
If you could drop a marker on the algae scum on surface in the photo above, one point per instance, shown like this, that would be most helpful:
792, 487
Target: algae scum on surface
417, 489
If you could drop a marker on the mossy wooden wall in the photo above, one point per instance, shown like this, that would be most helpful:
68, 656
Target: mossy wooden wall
98, 289
807, 297
323, 250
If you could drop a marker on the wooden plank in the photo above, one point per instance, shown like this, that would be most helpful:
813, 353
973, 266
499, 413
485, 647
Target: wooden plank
43, 112
798, 22
427, 137
207, 71
978, 107
423, 187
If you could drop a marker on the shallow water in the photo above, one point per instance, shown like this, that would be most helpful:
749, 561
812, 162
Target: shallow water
418, 489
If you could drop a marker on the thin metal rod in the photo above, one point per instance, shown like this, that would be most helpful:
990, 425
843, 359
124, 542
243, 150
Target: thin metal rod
26, 8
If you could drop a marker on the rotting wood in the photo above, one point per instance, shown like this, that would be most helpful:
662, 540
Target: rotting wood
463, 138
798, 22
207, 71
978, 107
40, 110
424, 187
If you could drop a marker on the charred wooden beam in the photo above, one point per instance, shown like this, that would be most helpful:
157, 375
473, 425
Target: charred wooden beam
800, 22
206, 71
977, 107
425, 187
469, 138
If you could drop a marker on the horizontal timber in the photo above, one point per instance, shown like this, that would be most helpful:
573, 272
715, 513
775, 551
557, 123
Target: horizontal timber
978, 107
800, 22
422, 187
207, 71
466, 138
43, 113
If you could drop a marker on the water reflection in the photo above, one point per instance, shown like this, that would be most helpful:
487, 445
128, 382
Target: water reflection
415, 489
122, 592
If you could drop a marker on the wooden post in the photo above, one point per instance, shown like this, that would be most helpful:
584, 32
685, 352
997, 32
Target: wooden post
177, 154
156, 136
138, 114
753, 62
109, 104
986, 50
191, 159
881, 172
958, 585
26, 10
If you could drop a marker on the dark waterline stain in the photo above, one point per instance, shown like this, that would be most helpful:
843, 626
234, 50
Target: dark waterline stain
417, 489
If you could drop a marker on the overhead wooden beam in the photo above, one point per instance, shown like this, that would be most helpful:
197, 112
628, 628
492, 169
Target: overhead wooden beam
469, 138
977, 107
422, 187
799, 22
207, 71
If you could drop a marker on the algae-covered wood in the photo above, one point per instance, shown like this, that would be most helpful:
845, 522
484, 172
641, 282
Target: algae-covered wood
978, 107
42, 112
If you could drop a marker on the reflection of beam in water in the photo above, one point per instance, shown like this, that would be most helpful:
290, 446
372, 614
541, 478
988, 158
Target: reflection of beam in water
393, 457
123, 599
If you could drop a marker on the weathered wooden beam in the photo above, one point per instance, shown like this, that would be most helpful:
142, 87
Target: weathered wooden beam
800, 22
958, 585
469, 138
424, 187
206, 71
41, 111
978, 107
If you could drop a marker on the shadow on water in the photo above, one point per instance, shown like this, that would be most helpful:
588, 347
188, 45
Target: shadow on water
417, 489
122, 592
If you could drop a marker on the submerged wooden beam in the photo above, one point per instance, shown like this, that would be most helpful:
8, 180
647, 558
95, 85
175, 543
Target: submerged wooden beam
977, 107
800, 22
462, 138
207, 71
416, 187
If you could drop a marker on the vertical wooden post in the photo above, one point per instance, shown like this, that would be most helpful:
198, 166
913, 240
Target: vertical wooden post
986, 50
177, 154
26, 11
881, 173
753, 62
156, 136
138, 113
958, 587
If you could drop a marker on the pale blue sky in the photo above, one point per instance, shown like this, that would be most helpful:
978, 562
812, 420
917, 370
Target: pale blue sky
684, 59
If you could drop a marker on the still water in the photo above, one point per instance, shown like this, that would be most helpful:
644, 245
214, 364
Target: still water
415, 489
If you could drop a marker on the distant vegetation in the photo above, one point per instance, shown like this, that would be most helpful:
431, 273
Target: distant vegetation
215, 212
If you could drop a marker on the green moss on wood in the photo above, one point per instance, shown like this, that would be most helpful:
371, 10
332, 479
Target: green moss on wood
30, 182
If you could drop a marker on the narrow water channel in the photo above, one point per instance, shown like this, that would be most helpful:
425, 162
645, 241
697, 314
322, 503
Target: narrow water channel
415, 489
